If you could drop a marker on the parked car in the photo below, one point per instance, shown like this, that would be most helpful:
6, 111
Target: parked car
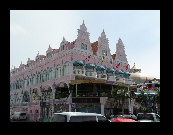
11, 117
116, 116
148, 116
19, 116
130, 116
78, 117
127, 116
145, 120
123, 120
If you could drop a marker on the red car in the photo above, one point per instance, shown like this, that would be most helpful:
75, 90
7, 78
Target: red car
122, 118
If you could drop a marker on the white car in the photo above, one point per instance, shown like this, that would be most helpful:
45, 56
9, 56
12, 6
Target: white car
145, 120
78, 117
19, 116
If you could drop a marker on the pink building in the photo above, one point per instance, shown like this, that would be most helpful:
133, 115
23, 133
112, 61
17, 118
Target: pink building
78, 76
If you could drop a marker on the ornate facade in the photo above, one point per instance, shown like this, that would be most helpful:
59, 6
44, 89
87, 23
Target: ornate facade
78, 75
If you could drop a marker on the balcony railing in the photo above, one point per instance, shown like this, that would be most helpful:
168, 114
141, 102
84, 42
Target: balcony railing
102, 76
111, 78
91, 74
80, 72
121, 80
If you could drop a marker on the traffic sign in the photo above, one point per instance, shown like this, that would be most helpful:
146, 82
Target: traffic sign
73, 105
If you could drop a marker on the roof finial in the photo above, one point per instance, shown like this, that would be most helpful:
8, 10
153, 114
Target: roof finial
21, 62
134, 64
83, 21
38, 53
103, 30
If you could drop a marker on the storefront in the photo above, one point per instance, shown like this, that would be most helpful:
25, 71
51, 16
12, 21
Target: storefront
61, 105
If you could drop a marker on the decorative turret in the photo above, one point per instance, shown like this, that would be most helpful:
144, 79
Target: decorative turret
103, 46
135, 69
63, 44
83, 41
37, 59
139, 77
121, 60
49, 52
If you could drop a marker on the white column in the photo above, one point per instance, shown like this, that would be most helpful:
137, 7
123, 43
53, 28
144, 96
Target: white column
102, 109
53, 97
132, 104
69, 107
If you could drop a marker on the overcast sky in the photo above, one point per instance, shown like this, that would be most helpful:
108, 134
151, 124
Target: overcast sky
33, 30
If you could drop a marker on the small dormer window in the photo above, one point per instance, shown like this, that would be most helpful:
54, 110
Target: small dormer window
104, 52
83, 46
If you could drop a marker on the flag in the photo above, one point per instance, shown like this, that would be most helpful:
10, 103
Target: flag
88, 58
41, 87
111, 61
117, 66
153, 86
127, 66
102, 59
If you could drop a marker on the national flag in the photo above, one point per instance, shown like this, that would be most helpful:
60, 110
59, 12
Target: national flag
102, 59
117, 66
127, 66
153, 86
41, 87
111, 61
88, 58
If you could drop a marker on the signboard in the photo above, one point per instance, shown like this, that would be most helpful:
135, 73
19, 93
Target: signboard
87, 81
128, 81
73, 105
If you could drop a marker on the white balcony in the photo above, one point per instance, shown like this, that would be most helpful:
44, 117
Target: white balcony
120, 80
128, 81
91, 74
111, 78
79, 72
102, 76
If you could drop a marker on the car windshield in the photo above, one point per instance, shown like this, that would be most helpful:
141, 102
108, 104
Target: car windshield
102, 119
22, 114
145, 116
59, 118
83, 119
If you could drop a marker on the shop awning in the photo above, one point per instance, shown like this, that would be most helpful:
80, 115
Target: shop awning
90, 65
119, 72
78, 63
126, 74
110, 70
101, 68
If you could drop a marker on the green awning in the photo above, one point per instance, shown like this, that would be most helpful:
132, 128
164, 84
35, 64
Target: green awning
78, 63
110, 70
90, 65
101, 68
119, 72
126, 74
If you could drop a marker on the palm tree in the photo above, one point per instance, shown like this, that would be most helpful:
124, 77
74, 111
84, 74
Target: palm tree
120, 95
145, 97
